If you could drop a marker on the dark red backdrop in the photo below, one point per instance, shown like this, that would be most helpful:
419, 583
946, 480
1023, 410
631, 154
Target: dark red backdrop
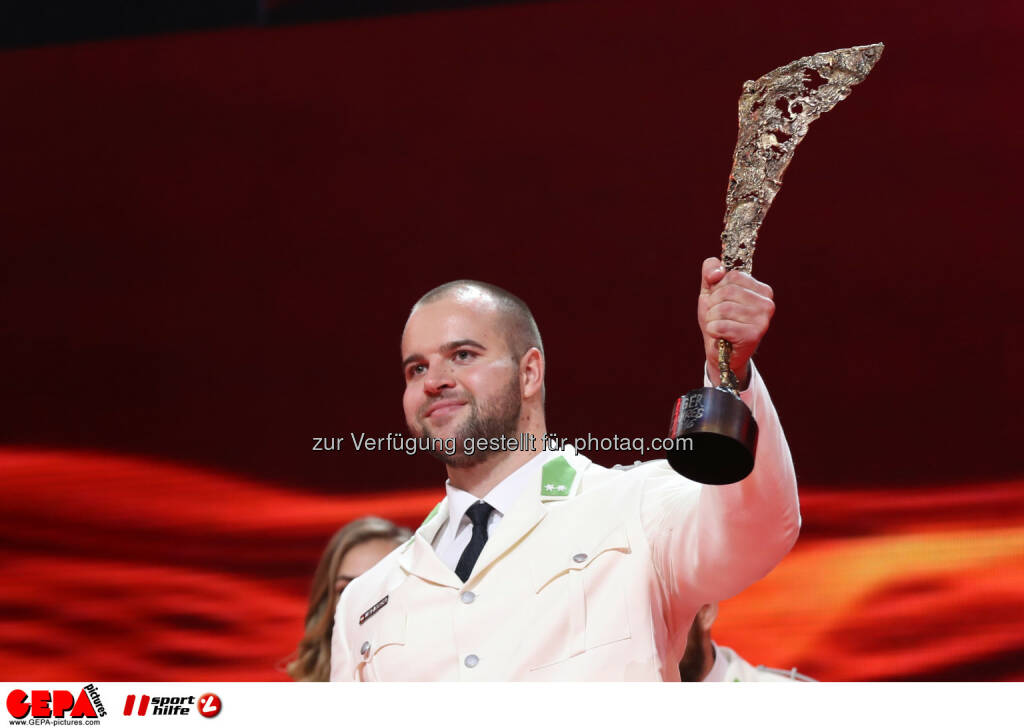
211, 240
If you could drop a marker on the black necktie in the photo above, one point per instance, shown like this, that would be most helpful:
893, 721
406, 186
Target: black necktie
478, 514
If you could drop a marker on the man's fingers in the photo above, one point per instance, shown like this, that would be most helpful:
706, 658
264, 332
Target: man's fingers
737, 294
735, 307
745, 280
732, 311
738, 305
733, 331
711, 272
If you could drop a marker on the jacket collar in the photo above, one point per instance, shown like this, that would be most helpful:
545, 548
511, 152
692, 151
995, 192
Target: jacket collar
557, 480
417, 556
562, 471
502, 497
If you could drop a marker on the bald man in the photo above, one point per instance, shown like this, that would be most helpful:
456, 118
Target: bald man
539, 564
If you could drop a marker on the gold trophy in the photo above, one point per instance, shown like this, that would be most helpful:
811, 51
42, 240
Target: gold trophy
774, 115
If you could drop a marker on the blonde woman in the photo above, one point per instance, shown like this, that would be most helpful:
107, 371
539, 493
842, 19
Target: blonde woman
351, 551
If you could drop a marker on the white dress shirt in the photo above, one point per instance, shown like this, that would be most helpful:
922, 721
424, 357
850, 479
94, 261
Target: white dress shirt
453, 537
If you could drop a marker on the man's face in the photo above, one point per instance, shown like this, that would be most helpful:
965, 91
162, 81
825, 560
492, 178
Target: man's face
461, 380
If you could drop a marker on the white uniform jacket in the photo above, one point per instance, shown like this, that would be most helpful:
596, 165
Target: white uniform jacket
594, 574
730, 667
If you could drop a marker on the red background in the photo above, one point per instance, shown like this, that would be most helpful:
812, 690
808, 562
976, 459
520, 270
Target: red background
211, 241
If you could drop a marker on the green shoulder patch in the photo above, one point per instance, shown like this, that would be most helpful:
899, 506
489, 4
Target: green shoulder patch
556, 477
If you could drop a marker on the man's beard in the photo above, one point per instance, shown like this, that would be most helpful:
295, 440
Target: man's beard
498, 417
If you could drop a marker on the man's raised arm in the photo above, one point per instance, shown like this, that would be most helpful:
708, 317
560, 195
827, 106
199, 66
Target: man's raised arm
710, 542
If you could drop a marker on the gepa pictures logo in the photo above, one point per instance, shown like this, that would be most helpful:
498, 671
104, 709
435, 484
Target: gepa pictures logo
55, 703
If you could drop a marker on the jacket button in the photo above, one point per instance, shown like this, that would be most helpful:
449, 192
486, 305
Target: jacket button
472, 660
579, 558
468, 597
365, 649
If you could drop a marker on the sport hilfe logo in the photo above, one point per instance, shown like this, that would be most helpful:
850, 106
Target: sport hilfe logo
161, 705
56, 703
208, 703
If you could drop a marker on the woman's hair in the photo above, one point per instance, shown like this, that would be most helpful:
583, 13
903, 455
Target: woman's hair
313, 657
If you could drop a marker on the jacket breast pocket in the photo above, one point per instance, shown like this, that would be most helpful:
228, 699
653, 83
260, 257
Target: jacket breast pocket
380, 652
581, 598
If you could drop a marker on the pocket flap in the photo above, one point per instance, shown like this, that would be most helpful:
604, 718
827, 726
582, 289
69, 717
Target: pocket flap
576, 558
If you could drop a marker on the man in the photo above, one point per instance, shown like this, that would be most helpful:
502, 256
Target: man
705, 661
540, 565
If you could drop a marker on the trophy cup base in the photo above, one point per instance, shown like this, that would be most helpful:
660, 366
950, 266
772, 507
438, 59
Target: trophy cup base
722, 437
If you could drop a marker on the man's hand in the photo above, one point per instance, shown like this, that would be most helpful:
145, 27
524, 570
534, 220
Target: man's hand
735, 307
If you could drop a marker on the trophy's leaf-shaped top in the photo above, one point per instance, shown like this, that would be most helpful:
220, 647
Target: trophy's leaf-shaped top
775, 112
